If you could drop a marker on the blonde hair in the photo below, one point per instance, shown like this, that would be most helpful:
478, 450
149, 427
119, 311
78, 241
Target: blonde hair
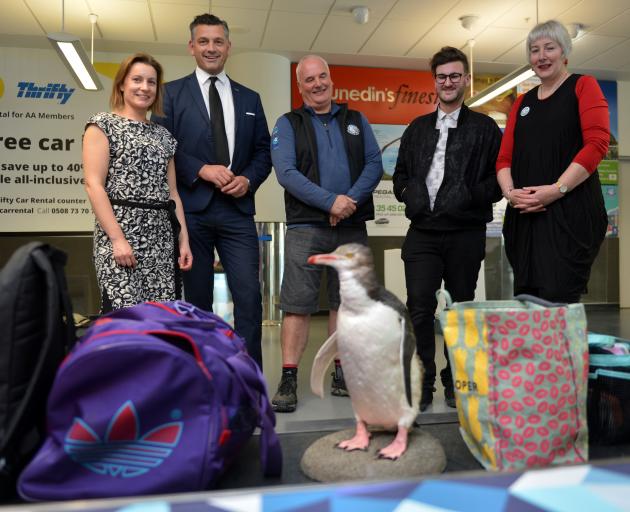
117, 100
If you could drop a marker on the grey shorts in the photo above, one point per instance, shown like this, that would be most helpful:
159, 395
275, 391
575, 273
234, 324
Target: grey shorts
301, 281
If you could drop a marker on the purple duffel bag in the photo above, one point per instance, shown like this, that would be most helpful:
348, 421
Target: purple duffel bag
156, 398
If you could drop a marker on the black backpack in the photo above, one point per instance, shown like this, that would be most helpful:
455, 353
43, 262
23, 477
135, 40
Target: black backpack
37, 331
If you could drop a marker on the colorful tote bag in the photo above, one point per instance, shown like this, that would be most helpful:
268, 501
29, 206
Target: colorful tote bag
520, 371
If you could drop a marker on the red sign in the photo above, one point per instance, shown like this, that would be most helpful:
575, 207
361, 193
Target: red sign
384, 96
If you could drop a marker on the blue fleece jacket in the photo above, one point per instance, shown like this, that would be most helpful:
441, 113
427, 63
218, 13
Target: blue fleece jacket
334, 171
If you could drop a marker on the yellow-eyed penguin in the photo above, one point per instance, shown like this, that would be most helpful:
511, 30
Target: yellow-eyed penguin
377, 348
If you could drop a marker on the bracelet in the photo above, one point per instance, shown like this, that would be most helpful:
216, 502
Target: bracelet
509, 200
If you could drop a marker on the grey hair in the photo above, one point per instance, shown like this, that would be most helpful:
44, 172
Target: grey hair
312, 56
551, 29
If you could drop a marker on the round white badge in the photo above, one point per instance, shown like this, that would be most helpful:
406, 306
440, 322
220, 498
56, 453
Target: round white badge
524, 111
353, 129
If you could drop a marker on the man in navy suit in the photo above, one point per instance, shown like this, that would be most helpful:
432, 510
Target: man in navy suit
216, 178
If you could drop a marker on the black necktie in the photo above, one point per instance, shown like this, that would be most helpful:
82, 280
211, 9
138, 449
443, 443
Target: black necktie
221, 148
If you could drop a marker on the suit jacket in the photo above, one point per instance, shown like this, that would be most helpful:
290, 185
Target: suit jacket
186, 117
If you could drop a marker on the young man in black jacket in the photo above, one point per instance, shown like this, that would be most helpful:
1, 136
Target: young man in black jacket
446, 177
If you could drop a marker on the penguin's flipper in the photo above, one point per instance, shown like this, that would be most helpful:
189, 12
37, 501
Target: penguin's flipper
407, 349
324, 357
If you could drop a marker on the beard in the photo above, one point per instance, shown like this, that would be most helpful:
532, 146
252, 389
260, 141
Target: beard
450, 100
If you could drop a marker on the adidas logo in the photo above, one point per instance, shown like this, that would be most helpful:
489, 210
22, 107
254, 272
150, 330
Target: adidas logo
122, 453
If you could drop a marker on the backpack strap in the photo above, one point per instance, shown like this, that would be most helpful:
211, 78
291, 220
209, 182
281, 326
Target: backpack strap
51, 262
252, 378
58, 261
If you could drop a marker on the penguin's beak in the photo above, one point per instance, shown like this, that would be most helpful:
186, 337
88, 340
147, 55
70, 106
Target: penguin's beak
322, 259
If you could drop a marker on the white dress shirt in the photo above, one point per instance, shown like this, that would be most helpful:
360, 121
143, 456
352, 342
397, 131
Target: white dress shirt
227, 102
436, 172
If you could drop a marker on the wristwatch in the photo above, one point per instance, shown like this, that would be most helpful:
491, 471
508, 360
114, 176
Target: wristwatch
562, 188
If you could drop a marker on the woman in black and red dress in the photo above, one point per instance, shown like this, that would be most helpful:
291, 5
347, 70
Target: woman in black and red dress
555, 137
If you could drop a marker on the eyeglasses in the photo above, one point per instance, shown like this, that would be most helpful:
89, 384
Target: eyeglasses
453, 77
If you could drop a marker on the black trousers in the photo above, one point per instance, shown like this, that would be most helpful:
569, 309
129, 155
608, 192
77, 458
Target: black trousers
430, 257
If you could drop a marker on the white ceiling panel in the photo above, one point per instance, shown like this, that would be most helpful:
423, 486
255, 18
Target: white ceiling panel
487, 10
76, 13
307, 6
353, 35
378, 8
515, 55
394, 37
523, 14
19, 20
421, 11
615, 58
493, 42
246, 25
240, 4
618, 26
404, 33
291, 31
594, 12
443, 34
200, 5
548, 10
171, 21
124, 19
590, 46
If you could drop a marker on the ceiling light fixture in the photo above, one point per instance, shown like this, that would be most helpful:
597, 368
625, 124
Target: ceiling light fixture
468, 21
361, 14
504, 84
576, 30
75, 58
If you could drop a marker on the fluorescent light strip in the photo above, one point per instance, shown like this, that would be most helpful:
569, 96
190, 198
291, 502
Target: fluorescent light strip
70, 53
498, 87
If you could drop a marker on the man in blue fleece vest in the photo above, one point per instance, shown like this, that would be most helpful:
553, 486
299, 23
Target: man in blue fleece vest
327, 159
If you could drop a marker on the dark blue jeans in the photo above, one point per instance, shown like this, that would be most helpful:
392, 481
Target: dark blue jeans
430, 257
224, 227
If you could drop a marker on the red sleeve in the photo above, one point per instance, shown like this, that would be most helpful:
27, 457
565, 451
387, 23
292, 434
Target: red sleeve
507, 142
595, 122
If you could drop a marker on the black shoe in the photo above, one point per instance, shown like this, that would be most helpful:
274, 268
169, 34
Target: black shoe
285, 399
427, 398
449, 397
338, 384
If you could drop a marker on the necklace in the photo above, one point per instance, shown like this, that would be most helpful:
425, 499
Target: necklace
543, 96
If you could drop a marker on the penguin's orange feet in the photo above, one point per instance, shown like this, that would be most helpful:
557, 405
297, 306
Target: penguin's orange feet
360, 441
396, 448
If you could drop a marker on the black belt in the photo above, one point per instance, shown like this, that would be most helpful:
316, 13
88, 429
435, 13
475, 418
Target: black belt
175, 226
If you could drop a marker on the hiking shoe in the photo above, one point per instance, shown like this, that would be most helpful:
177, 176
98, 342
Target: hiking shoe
285, 399
449, 397
427, 398
338, 383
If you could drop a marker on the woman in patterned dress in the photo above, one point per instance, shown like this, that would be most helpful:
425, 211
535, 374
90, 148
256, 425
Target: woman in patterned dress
130, 181
555, 137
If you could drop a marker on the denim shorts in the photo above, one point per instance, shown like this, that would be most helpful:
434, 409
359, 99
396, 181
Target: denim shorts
301, 281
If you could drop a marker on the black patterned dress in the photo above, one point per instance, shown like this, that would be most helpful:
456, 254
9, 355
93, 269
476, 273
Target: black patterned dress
137, 186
